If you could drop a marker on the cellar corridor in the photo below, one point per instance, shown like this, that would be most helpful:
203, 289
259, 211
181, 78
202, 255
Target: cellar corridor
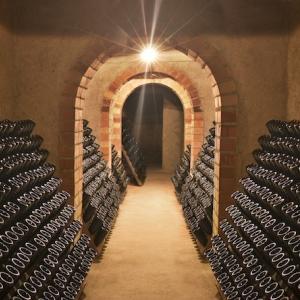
150, 254
150, 150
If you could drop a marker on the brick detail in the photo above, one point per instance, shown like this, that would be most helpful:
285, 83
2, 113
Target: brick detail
226, 99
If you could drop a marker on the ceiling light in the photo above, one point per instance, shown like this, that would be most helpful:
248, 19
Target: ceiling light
149, 55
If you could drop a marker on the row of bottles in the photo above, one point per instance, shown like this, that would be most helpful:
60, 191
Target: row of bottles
256, 254
182, 170
196, 196
103, 189
195, 189
37, 230
133, 158
118, 170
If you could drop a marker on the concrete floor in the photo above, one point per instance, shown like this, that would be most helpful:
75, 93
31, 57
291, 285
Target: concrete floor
150, 254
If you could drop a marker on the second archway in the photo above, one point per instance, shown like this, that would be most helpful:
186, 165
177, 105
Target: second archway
154, 115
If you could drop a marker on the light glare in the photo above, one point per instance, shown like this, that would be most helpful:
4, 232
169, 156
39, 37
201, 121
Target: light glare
149, 55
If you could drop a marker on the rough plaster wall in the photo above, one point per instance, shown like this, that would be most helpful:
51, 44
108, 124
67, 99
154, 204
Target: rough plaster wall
43, 66
261, 83
7, 65
50, 41
262, 88
255, 48
293, 104
172, 135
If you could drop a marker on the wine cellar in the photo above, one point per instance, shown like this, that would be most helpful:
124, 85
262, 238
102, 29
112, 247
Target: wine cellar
195, 190
257, 251
43, 253
150, 150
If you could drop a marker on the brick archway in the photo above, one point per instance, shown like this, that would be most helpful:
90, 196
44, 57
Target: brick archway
126, 89
226, 100
193, 113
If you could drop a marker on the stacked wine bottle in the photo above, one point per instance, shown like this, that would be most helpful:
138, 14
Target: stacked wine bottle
101, 193
182, 170
118, 170
196, 194
37, 253
256, 255
134, 160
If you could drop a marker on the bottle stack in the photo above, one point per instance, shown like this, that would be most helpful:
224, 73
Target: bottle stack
133, 158
118, 170
196, 195
182, 170
256, 255
39, 259
101, 192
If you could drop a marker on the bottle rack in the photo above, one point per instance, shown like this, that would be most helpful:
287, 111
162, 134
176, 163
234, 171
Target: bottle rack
256, 255
133, 158
196, 195
42, 253
182, 171
102, 192
118, 170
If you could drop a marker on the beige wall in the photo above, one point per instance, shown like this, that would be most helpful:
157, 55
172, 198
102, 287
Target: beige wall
261, 84
293, 104
47, 50
173, 128
42, 75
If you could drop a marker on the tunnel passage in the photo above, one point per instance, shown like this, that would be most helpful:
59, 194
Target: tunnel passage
154, 114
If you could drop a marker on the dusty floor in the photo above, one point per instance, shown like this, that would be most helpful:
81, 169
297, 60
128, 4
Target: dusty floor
150, 254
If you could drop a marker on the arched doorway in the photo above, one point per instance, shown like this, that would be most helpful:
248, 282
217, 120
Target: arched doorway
155, 116
226, 102
129, 86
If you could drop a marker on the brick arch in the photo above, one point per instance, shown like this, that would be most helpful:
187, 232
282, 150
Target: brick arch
226, 100
130, 86
194, 133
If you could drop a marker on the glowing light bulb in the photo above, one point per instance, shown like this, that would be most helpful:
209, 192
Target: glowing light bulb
149, 55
